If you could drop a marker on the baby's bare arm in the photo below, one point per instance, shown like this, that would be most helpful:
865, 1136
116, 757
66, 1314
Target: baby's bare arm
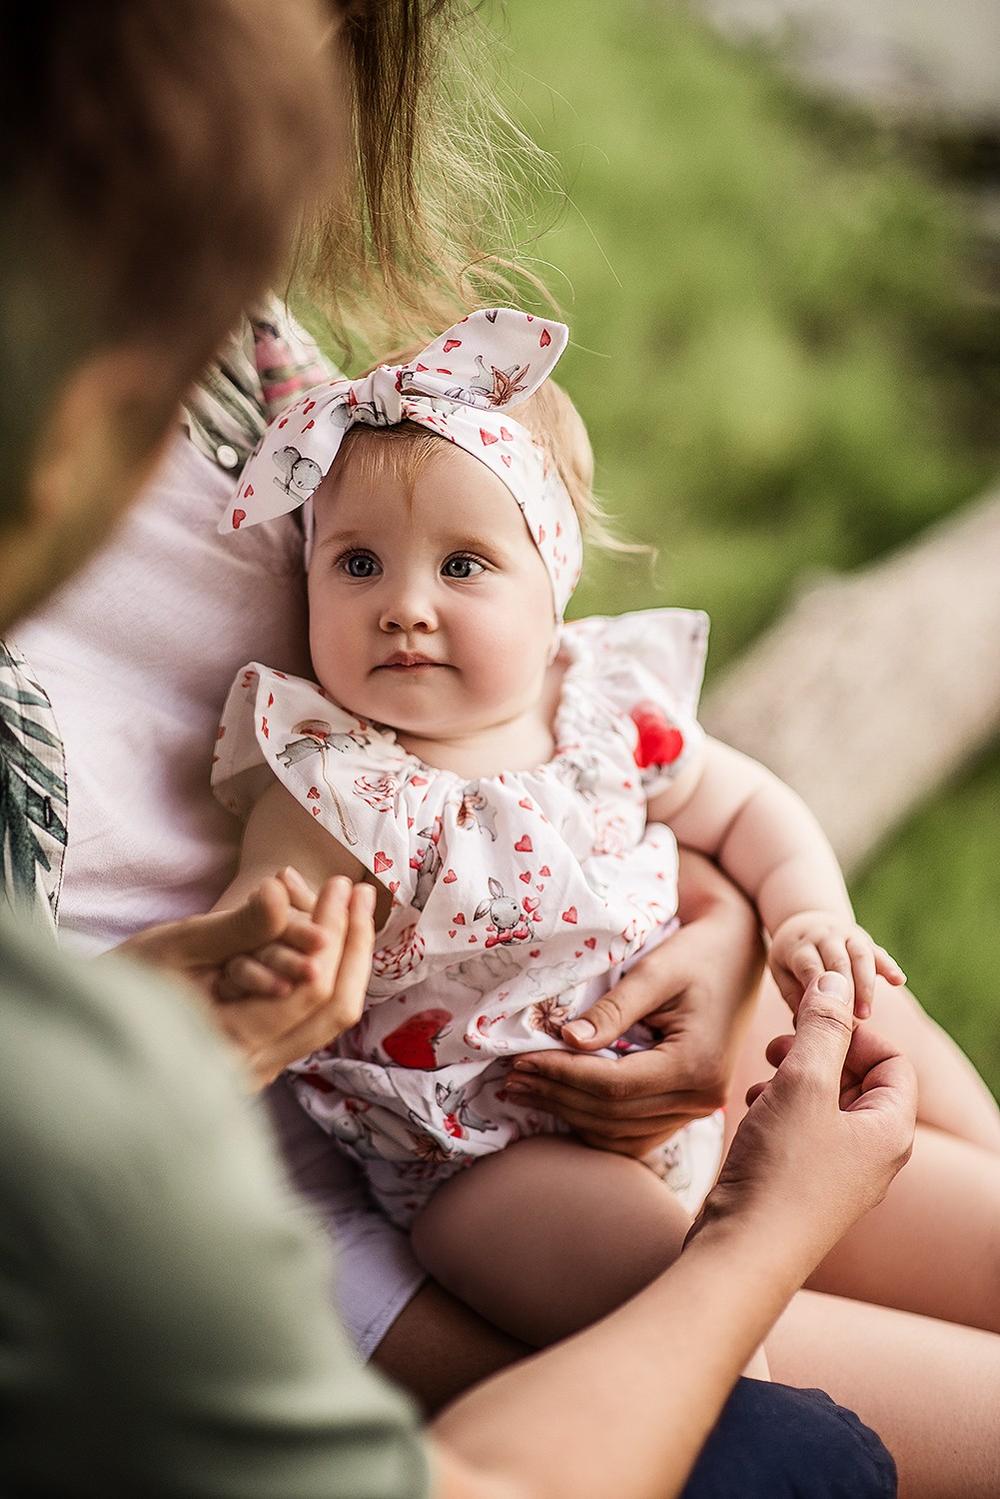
760, 831
280, 832
767, 840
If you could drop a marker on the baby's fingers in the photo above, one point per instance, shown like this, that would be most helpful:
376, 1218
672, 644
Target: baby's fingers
246, 975
860, 950
887, 966
300, 892
806, 963
287, 962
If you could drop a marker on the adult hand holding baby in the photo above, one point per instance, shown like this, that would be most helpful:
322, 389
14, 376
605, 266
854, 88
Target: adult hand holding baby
696, 990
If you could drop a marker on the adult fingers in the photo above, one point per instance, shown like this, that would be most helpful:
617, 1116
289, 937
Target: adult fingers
638, 1147
823, 1033
641, 1074
603, 1126
220, 935
656, 978
645, 1106
356, 958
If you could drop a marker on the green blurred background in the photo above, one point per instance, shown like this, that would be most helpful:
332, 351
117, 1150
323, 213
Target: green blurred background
786, 365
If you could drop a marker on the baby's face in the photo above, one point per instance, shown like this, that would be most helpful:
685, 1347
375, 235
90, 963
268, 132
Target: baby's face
430, 607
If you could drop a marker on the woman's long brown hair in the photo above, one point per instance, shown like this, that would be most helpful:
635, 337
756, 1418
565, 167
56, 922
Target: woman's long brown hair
422, 229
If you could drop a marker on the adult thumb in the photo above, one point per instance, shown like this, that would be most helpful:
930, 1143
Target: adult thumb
610, 1017
824, 1026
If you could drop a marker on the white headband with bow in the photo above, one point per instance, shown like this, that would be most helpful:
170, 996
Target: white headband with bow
458, 387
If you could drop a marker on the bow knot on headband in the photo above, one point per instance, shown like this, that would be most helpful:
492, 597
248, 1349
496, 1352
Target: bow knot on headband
461, 387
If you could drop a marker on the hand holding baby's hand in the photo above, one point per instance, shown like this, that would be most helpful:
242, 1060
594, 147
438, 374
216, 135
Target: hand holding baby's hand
814, 942
307, 985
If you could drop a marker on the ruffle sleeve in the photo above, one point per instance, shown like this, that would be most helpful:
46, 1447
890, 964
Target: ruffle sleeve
648, 668
344, 771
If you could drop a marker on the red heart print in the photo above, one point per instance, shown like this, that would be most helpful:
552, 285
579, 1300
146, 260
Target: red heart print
313, 793
283, 422
452, 343
270, 700
238, 517
409, 822
539, 887
545, 871
536, 952
459, 920
450, 877
590, 942
571, 916
452, 932
309, 423
505, 459
421, 369
578, 954
525, 878
541, 535
418, 780
545, 339
393, 886
525, 803
473, 938
440, 371
315, 811
248, 491
382, 861
530, 903
536, 915
524, 845
506, 435
308, 407
488, 437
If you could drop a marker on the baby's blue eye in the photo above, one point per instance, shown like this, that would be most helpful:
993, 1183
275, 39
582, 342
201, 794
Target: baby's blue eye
462, 567
360, 565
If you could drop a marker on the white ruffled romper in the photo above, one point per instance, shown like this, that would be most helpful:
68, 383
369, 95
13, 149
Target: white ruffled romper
517, 898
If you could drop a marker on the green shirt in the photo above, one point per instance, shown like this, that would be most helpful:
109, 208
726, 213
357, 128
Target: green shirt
165, 1318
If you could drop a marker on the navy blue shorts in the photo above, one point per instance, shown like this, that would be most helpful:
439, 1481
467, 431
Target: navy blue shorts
773, 1442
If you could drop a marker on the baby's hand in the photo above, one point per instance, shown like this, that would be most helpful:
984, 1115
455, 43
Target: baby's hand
814, 942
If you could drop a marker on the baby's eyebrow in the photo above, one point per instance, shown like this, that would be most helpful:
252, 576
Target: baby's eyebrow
338, 538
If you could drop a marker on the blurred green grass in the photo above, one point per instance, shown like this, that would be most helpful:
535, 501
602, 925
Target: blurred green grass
778, 357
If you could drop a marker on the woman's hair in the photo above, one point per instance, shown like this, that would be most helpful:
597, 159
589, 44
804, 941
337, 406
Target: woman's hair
422, 229
154, 156
550, 417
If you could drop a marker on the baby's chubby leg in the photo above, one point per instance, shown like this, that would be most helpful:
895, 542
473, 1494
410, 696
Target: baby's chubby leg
549, 1235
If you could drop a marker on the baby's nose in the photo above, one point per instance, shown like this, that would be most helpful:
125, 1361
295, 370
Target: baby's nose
408, 613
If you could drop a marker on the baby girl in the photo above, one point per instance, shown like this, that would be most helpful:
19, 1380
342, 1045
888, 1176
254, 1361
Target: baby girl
514, 786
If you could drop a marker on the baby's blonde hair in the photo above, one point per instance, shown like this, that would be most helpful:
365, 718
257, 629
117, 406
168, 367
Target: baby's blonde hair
553, 421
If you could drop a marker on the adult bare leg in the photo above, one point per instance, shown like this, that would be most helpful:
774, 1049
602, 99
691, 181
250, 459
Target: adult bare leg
930, 1389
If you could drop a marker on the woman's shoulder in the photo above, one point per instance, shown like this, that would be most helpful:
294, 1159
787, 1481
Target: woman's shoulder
266, 362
